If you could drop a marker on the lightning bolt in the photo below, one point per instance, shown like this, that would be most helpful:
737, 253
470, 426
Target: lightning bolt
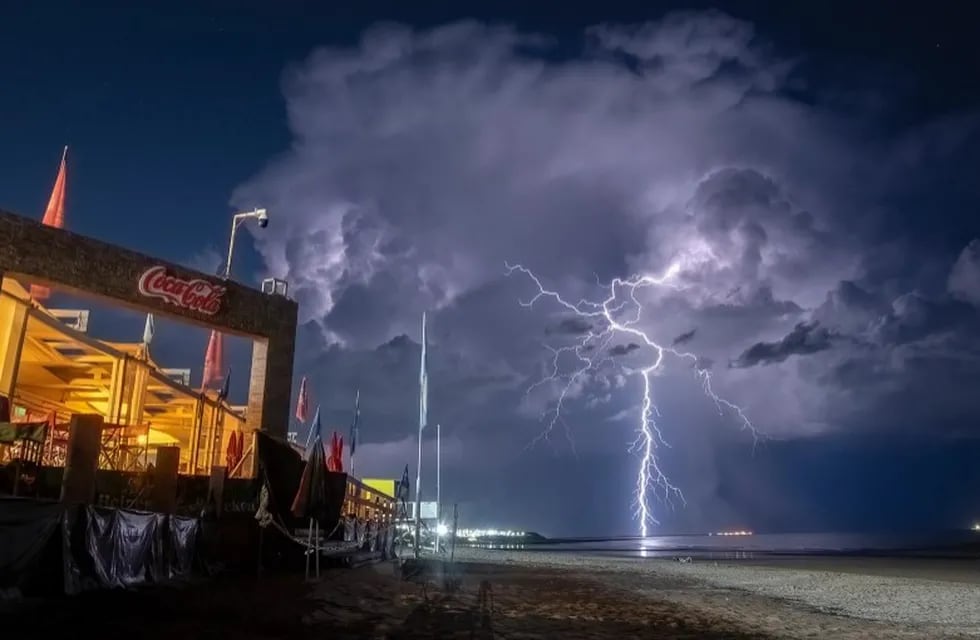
618, 314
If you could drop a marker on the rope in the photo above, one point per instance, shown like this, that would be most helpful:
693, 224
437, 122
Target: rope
265, 518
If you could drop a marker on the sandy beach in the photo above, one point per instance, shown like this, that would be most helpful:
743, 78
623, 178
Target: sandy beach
540, 595
797, 596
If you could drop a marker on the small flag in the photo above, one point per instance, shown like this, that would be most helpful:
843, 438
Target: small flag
54, 216
353, 426
213, 360
223, 393
303, 402
402, 492
423, 384
314, 435
148, 330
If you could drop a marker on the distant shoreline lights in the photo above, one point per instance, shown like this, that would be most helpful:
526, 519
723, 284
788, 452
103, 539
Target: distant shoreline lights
731, 533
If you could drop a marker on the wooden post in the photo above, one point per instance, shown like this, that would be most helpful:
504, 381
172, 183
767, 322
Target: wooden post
216, 489
164, 496
82, 461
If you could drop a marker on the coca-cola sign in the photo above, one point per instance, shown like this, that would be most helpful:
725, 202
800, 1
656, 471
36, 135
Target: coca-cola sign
196, 295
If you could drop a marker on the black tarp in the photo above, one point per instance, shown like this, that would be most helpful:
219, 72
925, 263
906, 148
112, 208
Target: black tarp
126, 547
48, 546
184, 533
27, 530
281, 468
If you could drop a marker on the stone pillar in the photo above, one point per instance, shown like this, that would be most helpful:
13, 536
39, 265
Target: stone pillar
256, 386
163, 499
82, 462
271, 385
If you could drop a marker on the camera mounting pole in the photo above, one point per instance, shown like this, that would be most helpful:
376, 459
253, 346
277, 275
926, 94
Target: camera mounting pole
259, 214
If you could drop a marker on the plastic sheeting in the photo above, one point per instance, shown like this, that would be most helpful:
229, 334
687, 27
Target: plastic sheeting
27, 529
126, 547
49, 546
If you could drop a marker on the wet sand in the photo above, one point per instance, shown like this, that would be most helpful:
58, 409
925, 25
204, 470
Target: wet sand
530, 596
964, 570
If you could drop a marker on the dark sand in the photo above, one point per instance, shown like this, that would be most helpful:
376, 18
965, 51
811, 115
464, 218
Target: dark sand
531, 599
372, 602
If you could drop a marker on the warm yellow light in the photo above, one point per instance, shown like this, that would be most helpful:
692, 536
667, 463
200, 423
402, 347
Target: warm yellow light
158, 438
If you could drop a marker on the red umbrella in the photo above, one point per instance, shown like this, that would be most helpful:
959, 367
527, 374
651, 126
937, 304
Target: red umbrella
335, 455
54, 216
230, 452
310, 499
338, 455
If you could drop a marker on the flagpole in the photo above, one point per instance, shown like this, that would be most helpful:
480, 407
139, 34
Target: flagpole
422, 418
354, 430
418, 497
438, 483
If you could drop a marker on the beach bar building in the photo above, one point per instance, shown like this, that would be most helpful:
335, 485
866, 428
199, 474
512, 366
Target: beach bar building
53, 374
120, 444
53, 370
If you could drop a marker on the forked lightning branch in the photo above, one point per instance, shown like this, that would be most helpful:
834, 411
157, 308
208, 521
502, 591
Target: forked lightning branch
618, 315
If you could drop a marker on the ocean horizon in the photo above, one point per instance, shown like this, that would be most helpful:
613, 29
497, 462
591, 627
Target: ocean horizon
715, 546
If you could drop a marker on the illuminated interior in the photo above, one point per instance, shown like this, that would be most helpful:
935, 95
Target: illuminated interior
365, 500
50, 369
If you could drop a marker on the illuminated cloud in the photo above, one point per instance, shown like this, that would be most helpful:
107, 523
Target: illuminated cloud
422, 161
964, 279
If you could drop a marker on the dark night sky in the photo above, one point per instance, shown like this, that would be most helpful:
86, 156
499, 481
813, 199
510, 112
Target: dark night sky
811, 167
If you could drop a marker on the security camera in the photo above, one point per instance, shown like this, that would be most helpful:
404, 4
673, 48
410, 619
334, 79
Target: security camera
262, 217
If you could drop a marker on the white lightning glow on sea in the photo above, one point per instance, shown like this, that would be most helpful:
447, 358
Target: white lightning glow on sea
618, 315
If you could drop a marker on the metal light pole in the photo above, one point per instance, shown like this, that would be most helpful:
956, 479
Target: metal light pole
236, 221
258, 214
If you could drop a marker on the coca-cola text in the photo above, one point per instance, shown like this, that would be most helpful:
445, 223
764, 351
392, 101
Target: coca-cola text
197, 295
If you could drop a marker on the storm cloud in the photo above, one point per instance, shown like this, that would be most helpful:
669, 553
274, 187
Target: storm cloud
422, 162
805, 338
570, 326
623, 349
684, 338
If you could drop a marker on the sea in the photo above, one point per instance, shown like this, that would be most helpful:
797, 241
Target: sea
733, 547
